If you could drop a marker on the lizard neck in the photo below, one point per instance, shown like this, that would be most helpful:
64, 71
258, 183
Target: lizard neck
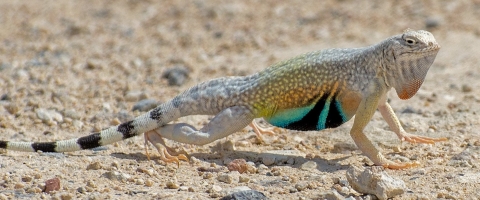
386, 62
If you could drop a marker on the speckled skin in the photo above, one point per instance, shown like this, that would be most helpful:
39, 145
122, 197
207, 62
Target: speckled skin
313, 91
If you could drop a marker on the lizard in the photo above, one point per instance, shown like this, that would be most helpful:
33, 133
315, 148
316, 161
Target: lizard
310, 92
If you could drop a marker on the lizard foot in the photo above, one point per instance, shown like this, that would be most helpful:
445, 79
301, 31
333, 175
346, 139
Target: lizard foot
420, 139
399, 165
165, 151
259, 130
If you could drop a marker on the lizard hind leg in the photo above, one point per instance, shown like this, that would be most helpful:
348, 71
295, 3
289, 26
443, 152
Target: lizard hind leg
167, 154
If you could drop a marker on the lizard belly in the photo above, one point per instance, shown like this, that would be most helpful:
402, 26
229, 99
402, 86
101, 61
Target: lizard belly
325, 113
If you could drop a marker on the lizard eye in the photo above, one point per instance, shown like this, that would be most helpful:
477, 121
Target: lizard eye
410, 41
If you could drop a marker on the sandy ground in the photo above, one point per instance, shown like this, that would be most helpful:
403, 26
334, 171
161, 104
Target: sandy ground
90, 62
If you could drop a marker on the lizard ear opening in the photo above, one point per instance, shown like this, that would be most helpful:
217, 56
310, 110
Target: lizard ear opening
409, 89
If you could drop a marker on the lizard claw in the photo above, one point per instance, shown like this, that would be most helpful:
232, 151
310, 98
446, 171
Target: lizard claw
165, 151
420, 139
399, 165
259, 130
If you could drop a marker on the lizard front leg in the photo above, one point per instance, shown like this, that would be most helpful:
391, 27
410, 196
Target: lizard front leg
364, 113
394, 124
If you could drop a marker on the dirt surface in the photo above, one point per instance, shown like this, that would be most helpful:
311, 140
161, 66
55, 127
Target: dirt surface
87, 63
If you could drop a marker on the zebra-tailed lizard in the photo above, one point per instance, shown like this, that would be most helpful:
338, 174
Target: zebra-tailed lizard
313, 91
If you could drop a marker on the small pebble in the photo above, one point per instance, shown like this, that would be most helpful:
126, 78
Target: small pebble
145, 171
176, 76
268, 160
52, 185
301, 186
183, 188
81, 190
245, 194
27, 178
66, 196
149, 183
113, 175
72, 114
139, 181
466, 88
226, 178
243, 179
94, 166
239, 165
18, 186
207, 175
332, 194
145, 105
214, 189
309, 165
12, 108
135, 96
91, 184
242, 143
172, 185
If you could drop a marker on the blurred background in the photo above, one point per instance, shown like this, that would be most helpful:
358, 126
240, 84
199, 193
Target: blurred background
91, 61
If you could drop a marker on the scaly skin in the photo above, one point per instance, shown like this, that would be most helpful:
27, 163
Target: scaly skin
313, 91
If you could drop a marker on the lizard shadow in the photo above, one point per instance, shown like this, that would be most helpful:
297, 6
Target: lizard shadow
294, 161
131, 156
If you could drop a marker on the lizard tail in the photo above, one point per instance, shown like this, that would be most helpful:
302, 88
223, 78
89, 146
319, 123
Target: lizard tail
137, 126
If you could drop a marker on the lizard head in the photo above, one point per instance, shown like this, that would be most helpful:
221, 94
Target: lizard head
413, 54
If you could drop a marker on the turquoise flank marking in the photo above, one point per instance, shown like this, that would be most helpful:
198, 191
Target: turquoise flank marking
323, 116
285, 117
340, 110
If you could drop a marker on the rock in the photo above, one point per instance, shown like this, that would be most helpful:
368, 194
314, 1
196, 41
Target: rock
281, 157
176, 76
52, 185
117, 176
331, 195
94, 166
432, 22
139, 181
226, 178
215, 189
66, 196
309, 165
72, 114
239, 188
245, 195
373, 181
43, 115
268, 160
172, 185
149, 183
466, 88
243, 179
301, 186
145, 105
183, 188
239, 165
27, 178
12, 108
135, 96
